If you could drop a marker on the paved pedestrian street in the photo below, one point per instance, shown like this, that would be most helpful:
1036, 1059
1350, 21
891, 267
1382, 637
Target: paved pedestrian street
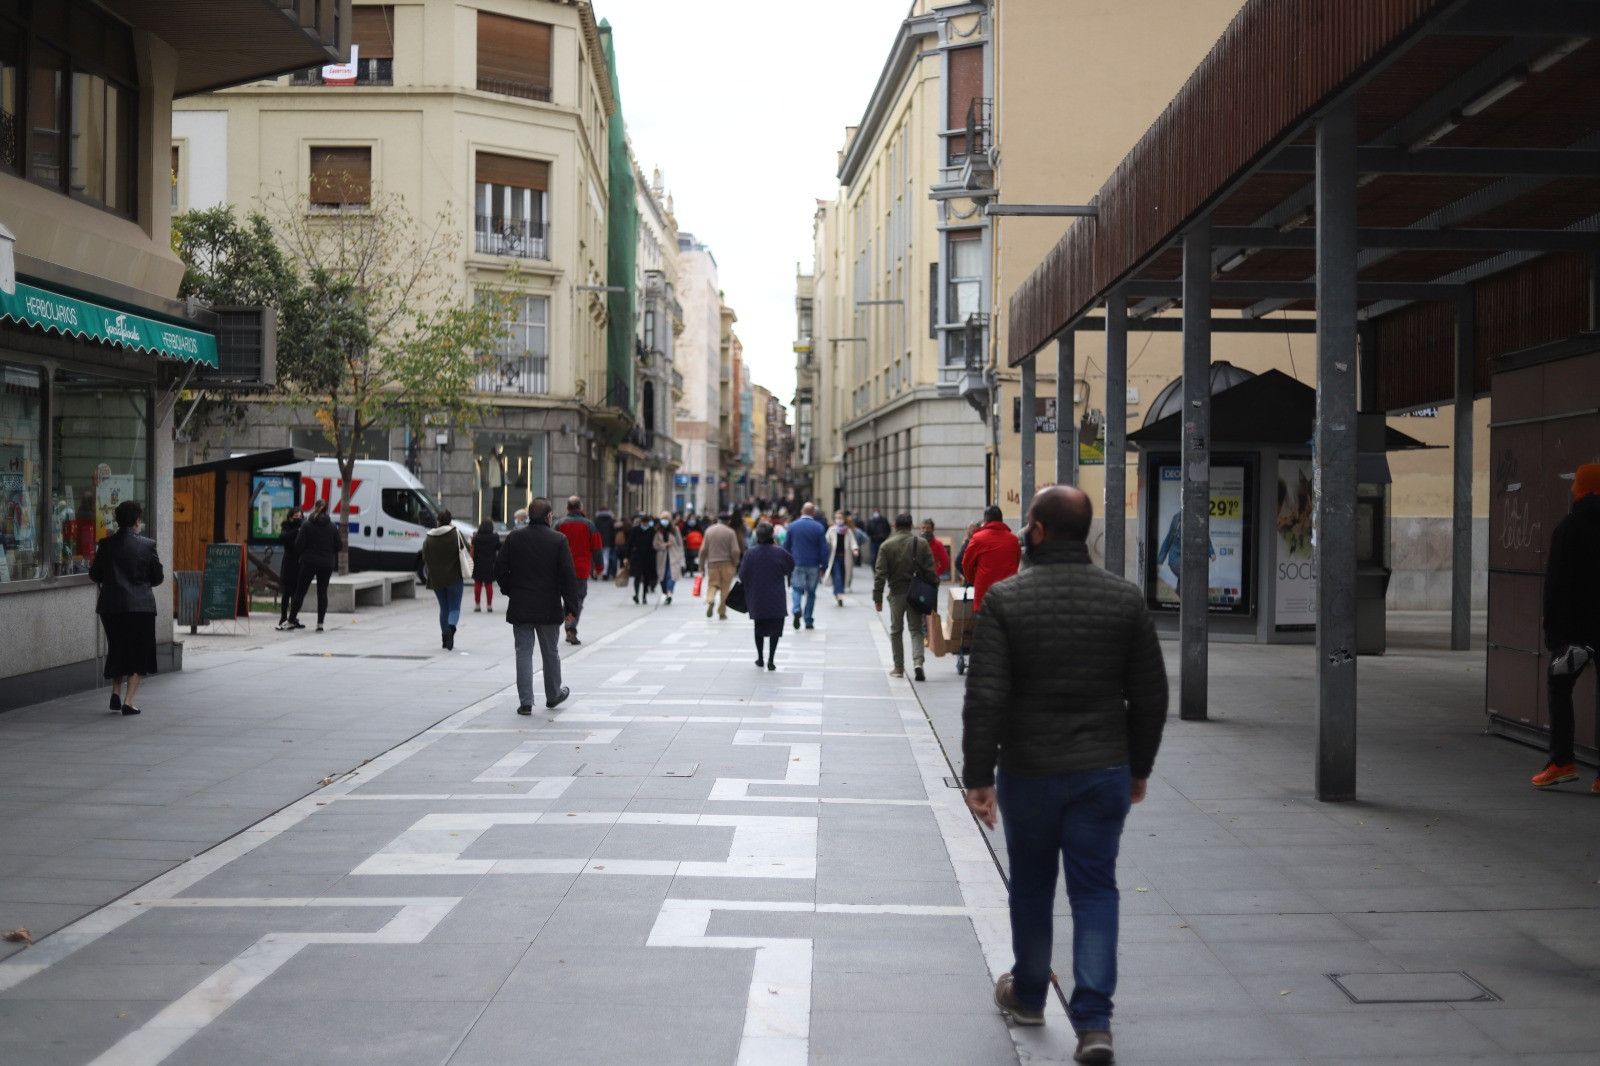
697, 861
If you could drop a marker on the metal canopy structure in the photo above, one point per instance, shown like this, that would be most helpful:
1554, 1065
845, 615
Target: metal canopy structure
1422, 176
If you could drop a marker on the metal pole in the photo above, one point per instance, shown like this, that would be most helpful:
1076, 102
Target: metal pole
1367, 357
1461, 497
1335, 454
1116, 433
1030, 389
1195, 559
1066, 411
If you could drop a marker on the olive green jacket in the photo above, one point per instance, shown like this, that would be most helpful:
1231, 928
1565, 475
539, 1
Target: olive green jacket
902, 557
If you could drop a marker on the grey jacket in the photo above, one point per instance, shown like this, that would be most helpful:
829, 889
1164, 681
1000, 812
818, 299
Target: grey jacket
1066, 674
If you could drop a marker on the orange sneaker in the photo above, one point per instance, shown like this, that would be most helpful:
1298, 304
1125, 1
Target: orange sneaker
1555, 773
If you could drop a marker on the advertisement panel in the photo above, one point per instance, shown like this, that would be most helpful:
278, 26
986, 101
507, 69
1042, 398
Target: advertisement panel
1294, 585
1229, 563
272, 497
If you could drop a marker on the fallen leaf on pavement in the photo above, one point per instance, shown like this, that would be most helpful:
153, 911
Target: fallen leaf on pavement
18, 936
329, 780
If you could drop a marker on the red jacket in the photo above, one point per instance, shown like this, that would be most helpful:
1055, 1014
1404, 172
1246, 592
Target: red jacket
584, 540
993, 554
941, 556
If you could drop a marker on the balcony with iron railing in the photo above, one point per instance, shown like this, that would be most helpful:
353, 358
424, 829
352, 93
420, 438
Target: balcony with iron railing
520, 89
523, 374
368, 72
967, 168
518, 238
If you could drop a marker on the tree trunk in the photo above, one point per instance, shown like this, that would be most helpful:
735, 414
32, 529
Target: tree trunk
347, 472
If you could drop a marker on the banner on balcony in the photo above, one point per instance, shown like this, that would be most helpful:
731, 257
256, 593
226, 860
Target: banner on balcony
342, 73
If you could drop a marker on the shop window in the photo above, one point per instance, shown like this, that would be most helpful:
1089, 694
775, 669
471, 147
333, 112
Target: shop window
22, 514
341, 177
100, 439
512, 470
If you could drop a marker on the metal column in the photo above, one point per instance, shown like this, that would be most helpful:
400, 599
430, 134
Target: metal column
1335, 454
1194, 584
1116, 432
1066, 409
1030, 389
1461, 496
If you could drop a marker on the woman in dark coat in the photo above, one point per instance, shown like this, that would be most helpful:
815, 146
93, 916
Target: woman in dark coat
127, 567
764, 572
642, 558
289, 572
485, 552
318, 547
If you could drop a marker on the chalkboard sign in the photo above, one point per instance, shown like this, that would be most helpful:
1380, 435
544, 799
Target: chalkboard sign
224, 577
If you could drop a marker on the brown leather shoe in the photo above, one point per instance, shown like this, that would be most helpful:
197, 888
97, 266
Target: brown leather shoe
1094, 1046
1005, 997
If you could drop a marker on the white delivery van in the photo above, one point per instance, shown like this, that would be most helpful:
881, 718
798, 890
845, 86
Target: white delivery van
390, 511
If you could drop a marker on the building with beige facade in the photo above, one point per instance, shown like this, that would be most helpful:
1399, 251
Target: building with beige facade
896, 281
1120, 65
698, 424
94, 345
493, 115
649, 456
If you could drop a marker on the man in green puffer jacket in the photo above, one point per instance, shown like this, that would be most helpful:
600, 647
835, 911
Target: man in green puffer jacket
901, 558
1067, 692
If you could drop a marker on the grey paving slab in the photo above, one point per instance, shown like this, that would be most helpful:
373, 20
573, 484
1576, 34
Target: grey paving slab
274, 1032
65, 1032
892, 1036
522, 1030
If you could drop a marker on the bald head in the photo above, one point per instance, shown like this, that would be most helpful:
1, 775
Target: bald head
574, 504
810, 509
1062, 512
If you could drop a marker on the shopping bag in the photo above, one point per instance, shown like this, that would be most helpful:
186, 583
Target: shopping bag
936, 636
734, 598
699, 583
466, 556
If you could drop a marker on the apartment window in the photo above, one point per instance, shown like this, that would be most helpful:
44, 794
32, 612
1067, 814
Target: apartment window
963, 292
513, 56
965, 86
68, 121
511, 198
341, 177
372, 35
650, 330
520, 360
10, 97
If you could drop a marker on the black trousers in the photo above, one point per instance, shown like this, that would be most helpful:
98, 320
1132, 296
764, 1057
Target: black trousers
307, 573
289, 579
1562, 714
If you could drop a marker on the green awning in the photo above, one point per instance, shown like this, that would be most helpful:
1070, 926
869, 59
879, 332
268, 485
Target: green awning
48, 310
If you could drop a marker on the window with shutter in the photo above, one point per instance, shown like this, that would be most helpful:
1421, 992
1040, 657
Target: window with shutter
513, 56
372, 34
511, 208
965, 86
341, 176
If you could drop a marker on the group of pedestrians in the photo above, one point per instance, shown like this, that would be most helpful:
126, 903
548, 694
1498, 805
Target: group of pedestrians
310, 555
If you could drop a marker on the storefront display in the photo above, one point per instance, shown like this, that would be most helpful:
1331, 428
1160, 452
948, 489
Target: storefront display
21, 473
1295, 579
512, 470
100, 443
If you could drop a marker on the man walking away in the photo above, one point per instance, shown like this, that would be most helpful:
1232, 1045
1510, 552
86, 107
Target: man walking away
720, 553
1068, 693
903, 557
536, 574
605, 523
877, 533
583, 537
808, 543
1571, 619
992, 554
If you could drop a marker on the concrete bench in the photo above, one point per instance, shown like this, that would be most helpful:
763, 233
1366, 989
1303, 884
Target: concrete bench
402, 585
346, 592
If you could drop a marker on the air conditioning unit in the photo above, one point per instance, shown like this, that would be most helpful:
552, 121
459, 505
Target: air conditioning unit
247, 349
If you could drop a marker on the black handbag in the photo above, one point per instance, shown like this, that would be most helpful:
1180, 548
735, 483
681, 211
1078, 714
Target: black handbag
922, 596
733, 599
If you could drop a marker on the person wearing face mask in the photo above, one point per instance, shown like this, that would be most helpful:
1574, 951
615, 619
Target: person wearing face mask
842, 556
127, 567
1067, 694
668, 545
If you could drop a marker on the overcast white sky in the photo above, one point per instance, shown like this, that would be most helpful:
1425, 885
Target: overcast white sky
743, 105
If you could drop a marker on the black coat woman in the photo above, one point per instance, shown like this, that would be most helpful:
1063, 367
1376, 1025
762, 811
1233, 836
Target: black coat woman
642, 558
485, 553
318, 547
764, 571
289, 573
127, 569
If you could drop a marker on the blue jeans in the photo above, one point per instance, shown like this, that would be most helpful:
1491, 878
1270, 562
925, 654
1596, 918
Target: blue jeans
449, 599
1075, 821
803, 588
668, 582
838, 574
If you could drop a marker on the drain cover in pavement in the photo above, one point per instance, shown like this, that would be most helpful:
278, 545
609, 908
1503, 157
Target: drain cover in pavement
1450, 986
686, 769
